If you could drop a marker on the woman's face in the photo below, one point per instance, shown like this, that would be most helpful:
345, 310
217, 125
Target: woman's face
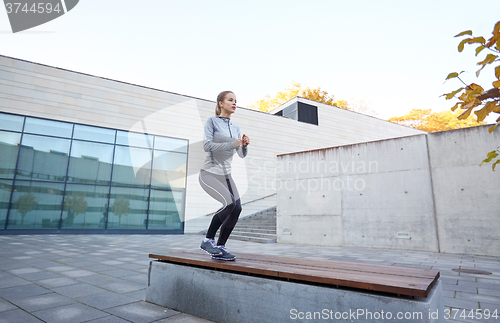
228, 106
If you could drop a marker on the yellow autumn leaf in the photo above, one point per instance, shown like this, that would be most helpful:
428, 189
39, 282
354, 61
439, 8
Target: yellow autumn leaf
496, 35
497, 72
496, 84
489, 157
479, 49
467, 32
456, 106
492, 128
497, 162
466, 114
488, 107
452, 94
462, 44
452, 75
477, 40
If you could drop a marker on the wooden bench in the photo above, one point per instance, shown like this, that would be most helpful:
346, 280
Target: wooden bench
258, 288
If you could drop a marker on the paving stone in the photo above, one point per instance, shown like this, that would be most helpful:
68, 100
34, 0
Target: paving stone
74, 313
22, 271
11, 281
141, 312
478, 297
123, 287
118, 272
106, 300
112, 262
77, 273
139, 295
183, 318
40, 302
18, 315
78, 290
41, 275
460, 303
97, 267
57, 282
109, 319
22, 291
491, 292
60, 268
6, 306
458, 288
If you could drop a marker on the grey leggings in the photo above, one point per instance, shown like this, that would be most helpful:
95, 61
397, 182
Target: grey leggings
223, 189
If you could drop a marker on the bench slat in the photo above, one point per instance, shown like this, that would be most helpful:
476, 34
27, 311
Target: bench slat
330, 264
417, 282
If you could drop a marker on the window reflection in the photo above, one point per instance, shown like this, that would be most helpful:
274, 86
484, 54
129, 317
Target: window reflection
36, 205
85, 207
11, 122
132, 167
171, 144
165, 210
94, 134
34, 173
48, 127
5, 191
169, 170
128, 208
43, 158
134, 139
90, 163
9, 148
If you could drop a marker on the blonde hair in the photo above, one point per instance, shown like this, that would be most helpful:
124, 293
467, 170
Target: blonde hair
220, 97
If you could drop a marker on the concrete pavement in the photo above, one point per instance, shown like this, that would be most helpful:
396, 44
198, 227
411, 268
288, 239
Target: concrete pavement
102, 278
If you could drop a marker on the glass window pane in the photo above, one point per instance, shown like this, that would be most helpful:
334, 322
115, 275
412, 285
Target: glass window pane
36, 205
134, 139
169, 170
90, 163
9, 147
172, 144
85, 207
94, 134
43, 158
5, 190
48, 127
166, 210
11, 122
128, 208
132, 167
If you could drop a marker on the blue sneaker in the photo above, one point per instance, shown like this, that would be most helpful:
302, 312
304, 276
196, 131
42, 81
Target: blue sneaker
225, 254
209, 247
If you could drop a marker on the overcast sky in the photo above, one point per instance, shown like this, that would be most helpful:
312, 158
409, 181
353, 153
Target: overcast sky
394, 55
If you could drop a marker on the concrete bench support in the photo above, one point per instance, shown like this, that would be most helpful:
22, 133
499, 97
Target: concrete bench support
225, 296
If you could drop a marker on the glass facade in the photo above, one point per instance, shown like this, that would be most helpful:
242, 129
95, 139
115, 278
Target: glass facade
70, 178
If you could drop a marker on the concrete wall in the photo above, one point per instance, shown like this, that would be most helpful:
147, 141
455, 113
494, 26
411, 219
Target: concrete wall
32, 89
466, 196
422, 192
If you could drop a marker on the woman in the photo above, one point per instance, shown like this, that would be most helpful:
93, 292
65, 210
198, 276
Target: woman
222, 138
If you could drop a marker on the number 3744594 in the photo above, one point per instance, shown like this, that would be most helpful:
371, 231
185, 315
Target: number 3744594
40, 7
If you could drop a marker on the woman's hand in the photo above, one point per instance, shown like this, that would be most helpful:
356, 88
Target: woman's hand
245, 140
238, 143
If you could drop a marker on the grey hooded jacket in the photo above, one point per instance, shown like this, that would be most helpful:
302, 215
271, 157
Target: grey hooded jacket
220, 134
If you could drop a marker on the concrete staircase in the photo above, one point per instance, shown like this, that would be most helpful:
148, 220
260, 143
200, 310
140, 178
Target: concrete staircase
257, 227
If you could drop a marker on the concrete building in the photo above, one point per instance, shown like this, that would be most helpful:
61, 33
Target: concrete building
423, 192
81, 153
